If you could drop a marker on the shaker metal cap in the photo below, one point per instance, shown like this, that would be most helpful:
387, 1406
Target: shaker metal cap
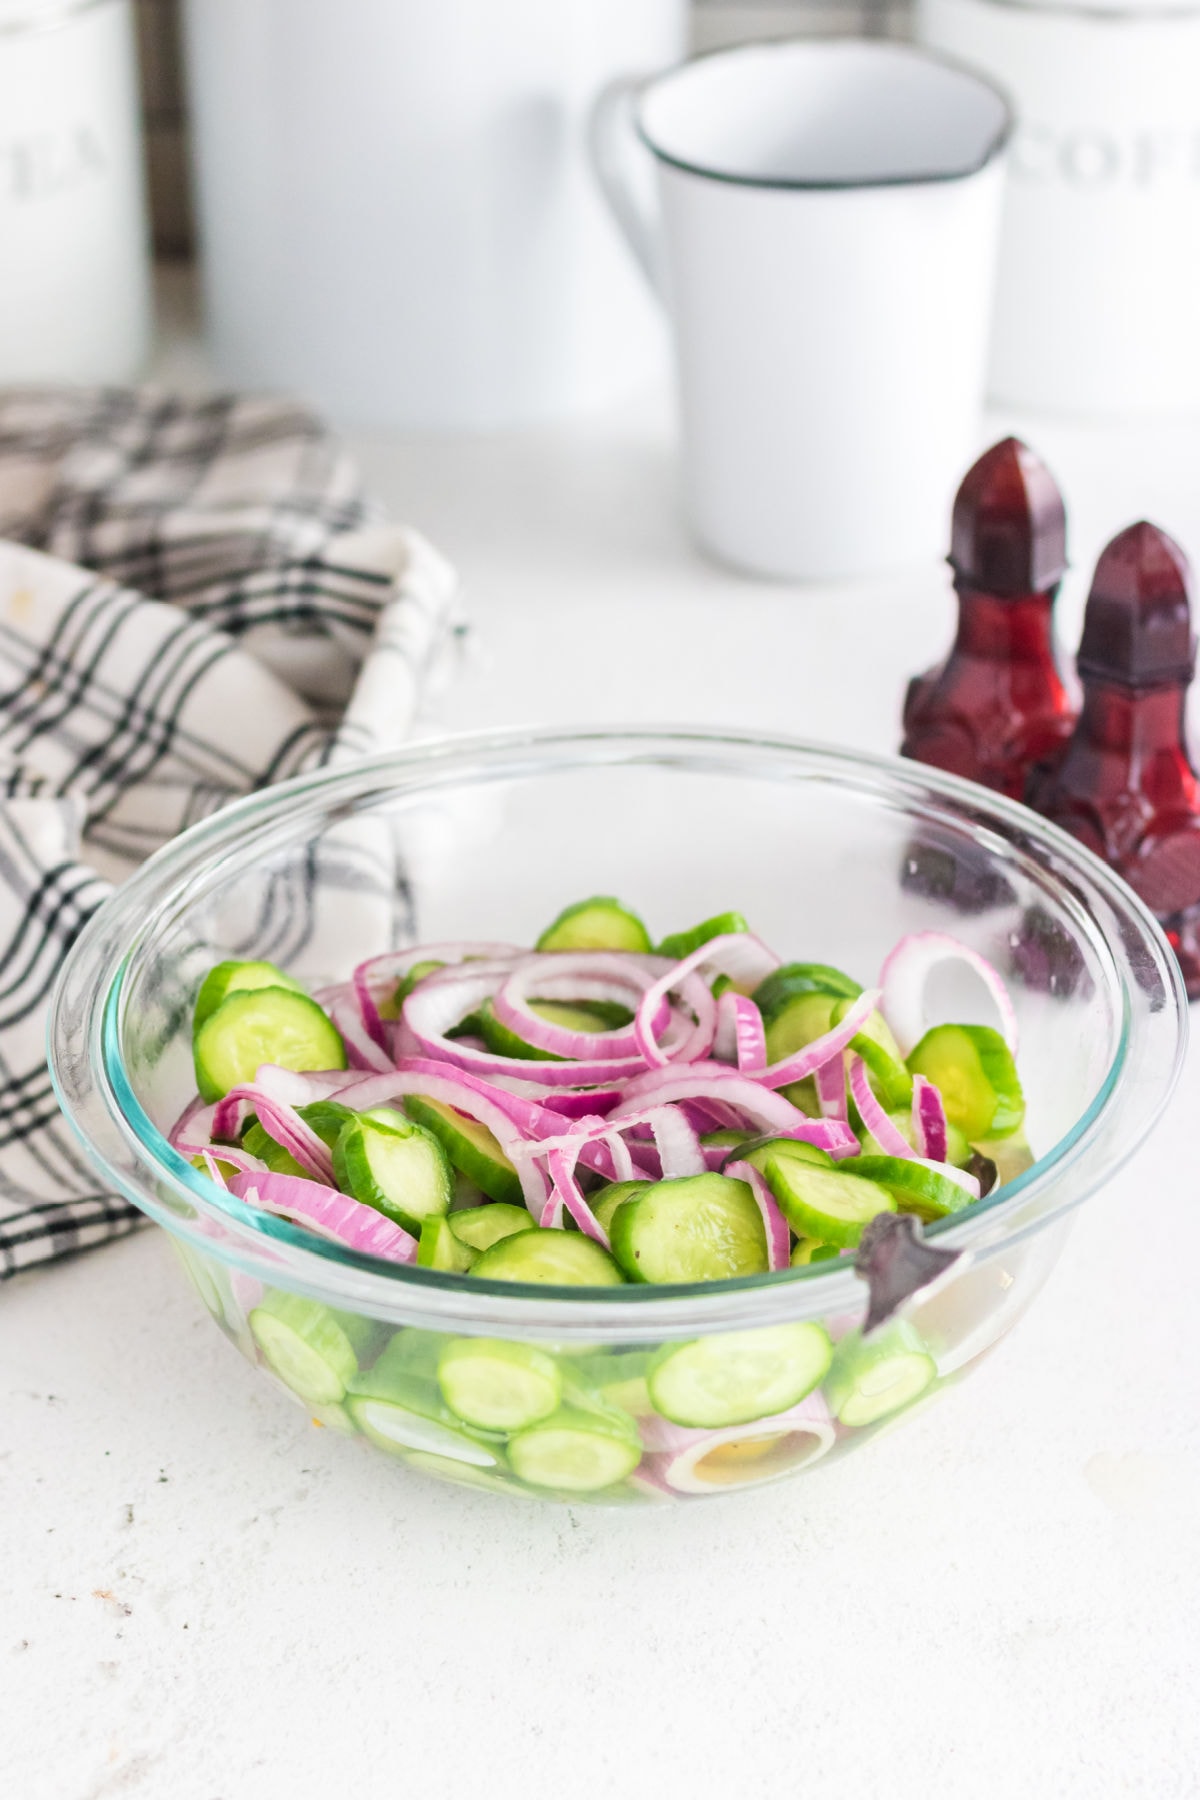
1137, 628
1009, 532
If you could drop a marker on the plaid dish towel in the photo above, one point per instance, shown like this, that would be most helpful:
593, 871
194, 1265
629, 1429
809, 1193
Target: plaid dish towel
195, 601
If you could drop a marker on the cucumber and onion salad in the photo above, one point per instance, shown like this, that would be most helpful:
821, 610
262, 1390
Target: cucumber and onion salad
597, 1111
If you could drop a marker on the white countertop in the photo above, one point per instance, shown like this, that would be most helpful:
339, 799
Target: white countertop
204, 1598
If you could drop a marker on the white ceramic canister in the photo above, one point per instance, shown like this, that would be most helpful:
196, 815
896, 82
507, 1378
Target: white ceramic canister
74, 270
1100, 256
397, 219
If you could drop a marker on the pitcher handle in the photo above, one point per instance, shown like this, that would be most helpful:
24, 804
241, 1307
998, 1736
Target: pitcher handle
618, 159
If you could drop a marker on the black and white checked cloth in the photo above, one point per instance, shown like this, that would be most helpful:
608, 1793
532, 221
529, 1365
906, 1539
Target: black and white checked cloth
195, 601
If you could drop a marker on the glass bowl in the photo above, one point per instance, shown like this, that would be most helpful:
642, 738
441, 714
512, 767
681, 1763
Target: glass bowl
831, 856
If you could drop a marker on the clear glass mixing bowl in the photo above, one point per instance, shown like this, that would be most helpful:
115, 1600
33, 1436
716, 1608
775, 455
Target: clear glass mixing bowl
831, 856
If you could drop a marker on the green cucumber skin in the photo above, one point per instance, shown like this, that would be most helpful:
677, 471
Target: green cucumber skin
698, 1228
808, 1197
262, 1025
482, 1162
600, 923
605, 1201
773, 994
439, 1248
366, 1140
559, 1258
226, 978
575, 1451
686, 943
857, 1365
495, 1385
914, 1188
479, 1227
973, 1069
740, 1376
310, 1347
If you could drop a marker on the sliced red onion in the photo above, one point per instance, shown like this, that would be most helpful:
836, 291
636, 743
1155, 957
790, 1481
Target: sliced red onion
327, 1213
732, 954
724, 1044
779, 1236
830, 1082
749, 1034
906, 972
240, 1160
563, 976
444, 1000
679, 1146
929, 1120
806, 1062
761, 1106
623, 1164
891, 1141
679, 1451
568, 1193
362, 1050
278, 1119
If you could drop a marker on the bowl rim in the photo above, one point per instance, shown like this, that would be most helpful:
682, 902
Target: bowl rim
276, 1250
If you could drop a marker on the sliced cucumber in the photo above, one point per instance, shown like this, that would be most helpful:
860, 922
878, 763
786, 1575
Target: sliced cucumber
479, 1227
698, 1228
462, 1474
807, 1250
797, 1023
309, 1346
227, 977
617, 1379
384, 1159
562, 1258
400, 1415
583, 1015
915, 1188
326, 1118
260, 1143
739, 1376
390, 1009
499, 1386
825, 1203
263, 1025
960, 1151
972, 1067
726, 1140
890, 1078
440, 1248
685, 943
783, 985
503, 1042
760, 1151
575, 1452
470, 1147
605, 1201
869, 1381
601, 923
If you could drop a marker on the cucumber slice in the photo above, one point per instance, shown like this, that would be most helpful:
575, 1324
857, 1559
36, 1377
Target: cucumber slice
804, 1095
807, 1250
960, 1152
601, 923
915, 1188
773, 994
227, 977
825, 1203
263, 1025
390, 1009
616, 1379
499, 1386
470, 1147
972, 1067
326, 1118
410, 1353
869, 1381
726, 1140
739, 1376
309, 1346
605, 1201
503, 1042
583, 1015
890, 1079
797, 1022
683, 943
576, 1452
411, 1415
440, 1248
759, 1151
385, 1160
462, 1474
259, 1143
479, 1227
562, 1258
698, 1228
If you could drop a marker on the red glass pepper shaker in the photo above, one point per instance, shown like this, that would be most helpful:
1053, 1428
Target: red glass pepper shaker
998, 705
1126, 785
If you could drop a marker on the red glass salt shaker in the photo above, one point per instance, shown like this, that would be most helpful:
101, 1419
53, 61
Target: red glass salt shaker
998, 705
1126, 786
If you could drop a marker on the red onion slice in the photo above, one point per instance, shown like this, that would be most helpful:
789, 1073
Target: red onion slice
749, 1034
563, 976
760, 1105
906, 972
960, 1177
929, 1120
240, 1160
737, 954
679, 1147
567, 1193
806, 1062
830, 1082
680, 1451
779, 1236
891, 1141
327, 1213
